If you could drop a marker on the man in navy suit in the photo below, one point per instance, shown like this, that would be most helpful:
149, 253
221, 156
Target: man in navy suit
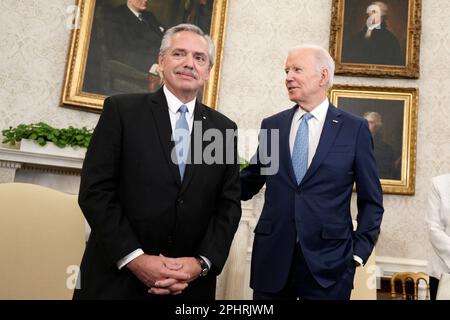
304, 245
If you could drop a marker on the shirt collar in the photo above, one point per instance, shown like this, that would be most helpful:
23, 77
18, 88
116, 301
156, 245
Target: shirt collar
374, 26
174, 103
137, 14
319, 112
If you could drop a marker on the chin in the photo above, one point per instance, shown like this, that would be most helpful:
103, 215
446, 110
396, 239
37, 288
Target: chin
293, 97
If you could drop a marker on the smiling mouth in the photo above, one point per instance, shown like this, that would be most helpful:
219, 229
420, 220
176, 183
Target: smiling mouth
186, 75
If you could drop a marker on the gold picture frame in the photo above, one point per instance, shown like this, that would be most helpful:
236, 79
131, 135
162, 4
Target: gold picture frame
391, 49
74, 91
392, 116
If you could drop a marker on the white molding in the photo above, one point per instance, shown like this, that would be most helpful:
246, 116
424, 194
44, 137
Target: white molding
389, 265
10, 165
14, 155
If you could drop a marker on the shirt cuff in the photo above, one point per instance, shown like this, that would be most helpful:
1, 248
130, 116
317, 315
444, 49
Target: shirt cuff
125, 260
358, 260
207, 262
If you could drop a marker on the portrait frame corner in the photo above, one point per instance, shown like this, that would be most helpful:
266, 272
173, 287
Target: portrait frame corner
398, 107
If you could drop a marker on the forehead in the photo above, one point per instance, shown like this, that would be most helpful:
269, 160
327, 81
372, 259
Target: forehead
300, 57
187, 40
373, 8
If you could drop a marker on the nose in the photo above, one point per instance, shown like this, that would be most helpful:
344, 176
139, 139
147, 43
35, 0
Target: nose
288, 76
189, 61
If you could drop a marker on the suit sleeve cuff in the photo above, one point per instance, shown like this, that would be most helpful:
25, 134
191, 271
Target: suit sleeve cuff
125, 260
207, 262
358, 260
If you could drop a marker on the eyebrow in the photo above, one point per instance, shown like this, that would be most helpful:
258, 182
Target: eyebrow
193, 52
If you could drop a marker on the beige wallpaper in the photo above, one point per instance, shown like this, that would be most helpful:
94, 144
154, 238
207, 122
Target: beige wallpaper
33, 48
34, 43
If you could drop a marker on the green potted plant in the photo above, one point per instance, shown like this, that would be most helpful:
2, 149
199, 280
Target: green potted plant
42, 138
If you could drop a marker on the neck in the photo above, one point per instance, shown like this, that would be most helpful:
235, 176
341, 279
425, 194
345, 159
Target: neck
183, 96
310, 104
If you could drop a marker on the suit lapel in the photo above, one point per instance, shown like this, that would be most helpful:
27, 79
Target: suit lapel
160, 113
329, 133
197, 145
285, 151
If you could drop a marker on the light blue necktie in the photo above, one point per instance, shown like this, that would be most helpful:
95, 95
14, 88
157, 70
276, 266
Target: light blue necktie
300, 150
182, 139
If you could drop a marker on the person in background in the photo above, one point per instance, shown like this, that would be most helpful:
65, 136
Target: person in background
374, 44
304, 245
133, 35
388, 163
162, 221
438, 220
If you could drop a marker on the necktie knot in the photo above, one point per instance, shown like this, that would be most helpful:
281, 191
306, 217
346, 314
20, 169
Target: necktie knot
183, 109
307, 116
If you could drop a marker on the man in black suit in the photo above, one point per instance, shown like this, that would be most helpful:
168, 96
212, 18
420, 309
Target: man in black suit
161, 224
133, 35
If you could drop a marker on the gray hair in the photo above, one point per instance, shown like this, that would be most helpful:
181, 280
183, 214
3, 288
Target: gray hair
375, 116
383, 7
323, 60
165, 43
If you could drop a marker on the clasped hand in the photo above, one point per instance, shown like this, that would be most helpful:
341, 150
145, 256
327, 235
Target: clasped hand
164, 275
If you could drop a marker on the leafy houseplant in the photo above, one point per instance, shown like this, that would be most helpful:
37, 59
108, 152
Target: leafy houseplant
43, 133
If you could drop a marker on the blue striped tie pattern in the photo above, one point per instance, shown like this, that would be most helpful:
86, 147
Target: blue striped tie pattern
182, 139
300, 150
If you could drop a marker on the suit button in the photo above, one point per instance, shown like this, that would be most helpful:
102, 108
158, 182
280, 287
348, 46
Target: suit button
169, 240
180, 201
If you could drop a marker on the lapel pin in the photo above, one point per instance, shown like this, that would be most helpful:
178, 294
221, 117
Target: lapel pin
335, 121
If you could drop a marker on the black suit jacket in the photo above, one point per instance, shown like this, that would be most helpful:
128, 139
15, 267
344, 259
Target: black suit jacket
131, 41
132, 196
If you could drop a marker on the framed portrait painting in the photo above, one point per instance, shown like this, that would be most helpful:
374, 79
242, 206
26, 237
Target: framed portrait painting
115, 46
376, 38
392, 117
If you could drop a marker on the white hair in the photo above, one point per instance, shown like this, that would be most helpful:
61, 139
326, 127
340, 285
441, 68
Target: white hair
323, 60
375, 116
165, 42
383, 7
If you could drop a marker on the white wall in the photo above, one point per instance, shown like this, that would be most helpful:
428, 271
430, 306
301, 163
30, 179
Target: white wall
33, 49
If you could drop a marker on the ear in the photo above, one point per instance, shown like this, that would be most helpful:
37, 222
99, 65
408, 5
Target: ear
208, 74
160, 63
323, 77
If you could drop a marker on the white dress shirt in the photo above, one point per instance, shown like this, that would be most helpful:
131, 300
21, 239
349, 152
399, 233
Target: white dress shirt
315, 125
438, 219
174, 104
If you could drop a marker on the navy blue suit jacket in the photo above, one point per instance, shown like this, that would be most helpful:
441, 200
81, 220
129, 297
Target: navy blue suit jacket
321, 203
